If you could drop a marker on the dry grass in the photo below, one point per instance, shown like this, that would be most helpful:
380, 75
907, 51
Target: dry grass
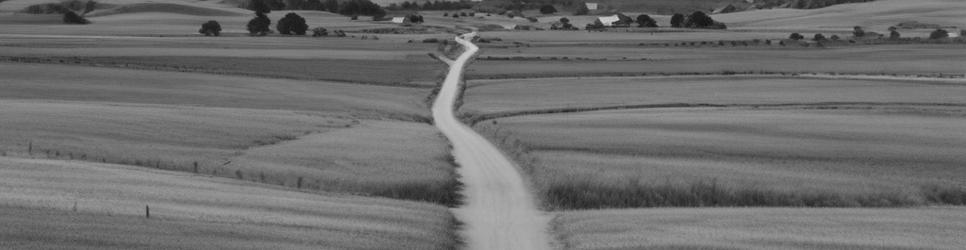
73, 83
856, 156
52, 204
390, 159
763, 228
503, 96
157, 136
302, 150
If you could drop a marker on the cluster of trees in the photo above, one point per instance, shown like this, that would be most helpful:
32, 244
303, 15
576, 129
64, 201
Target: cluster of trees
859, 33
435, 5
291, 24
646, 21
697, 20
349, 8
564, 24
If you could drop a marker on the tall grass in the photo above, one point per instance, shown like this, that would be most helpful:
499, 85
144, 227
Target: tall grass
583, 193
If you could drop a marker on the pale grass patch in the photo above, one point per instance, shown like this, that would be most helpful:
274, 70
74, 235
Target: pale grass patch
92, 205
729, 157
763, 228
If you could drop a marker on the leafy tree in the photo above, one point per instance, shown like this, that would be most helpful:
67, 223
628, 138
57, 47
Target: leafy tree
581, 10
677, 20
259, 25
210, 28
818, 37
698, 19
796, 36
646, 21
70, 17
939, 34
835, 38
548, 9
292, 23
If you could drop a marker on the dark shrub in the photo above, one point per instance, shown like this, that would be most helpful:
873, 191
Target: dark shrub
818, 37
939, 34
319, 31
894, 33
698, 19
796, 36
858, 31
548, 9
677, 20
258, 26
72, 18
835, 38
292, 23
646, 21
211, 28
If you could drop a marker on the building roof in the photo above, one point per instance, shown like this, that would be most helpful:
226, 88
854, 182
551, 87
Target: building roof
609, 20
591, 6
399, 19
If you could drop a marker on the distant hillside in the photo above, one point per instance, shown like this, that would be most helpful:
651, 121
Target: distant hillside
678, 6
803, 4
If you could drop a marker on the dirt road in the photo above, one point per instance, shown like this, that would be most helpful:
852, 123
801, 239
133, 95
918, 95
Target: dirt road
499, 212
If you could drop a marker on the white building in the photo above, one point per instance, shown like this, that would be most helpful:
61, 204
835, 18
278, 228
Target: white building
608, 20
591, 6
399, 20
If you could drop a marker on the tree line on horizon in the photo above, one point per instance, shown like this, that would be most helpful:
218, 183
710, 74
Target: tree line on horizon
344, 7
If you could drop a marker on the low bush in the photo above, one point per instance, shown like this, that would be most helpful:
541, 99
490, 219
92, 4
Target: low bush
319, 31
939, 34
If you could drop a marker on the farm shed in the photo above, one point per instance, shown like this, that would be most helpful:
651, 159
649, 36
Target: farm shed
609, 20
400, 20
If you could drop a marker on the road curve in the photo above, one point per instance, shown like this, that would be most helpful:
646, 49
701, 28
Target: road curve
498, 212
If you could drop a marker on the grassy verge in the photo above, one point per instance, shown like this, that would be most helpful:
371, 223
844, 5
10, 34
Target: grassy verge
577, 193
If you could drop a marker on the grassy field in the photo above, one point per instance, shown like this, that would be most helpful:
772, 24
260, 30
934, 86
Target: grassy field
69, 204
763, 228
494, 97
329, 59
412, 162
93, 84
790, 156
631, 61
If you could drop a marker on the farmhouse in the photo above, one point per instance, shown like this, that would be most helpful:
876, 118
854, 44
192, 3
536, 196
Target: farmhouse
608, 21
400, 20
591, 6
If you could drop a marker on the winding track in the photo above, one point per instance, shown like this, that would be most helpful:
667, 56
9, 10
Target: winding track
499, 212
